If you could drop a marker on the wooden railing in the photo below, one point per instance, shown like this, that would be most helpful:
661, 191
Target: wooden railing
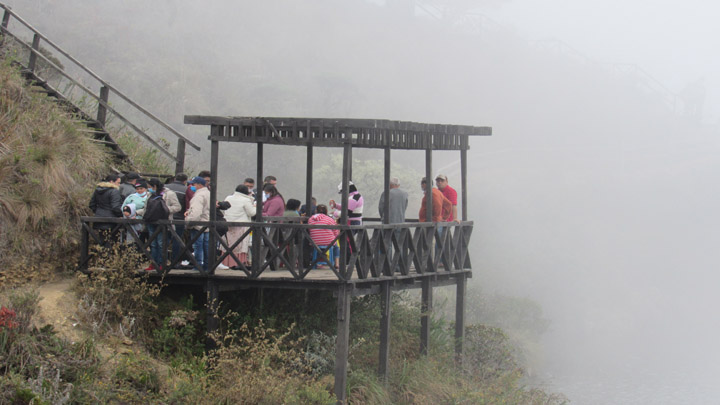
366, 251
102, 96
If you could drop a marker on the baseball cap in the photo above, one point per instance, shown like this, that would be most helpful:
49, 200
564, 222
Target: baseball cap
197, 180
441, 177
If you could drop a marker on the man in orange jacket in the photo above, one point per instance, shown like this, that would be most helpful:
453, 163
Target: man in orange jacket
441, 206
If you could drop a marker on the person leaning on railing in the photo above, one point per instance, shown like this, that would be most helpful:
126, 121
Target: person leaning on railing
441, 206
199, 210
242, 209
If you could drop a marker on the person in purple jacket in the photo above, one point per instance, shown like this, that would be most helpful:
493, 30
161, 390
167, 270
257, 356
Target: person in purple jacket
274, 205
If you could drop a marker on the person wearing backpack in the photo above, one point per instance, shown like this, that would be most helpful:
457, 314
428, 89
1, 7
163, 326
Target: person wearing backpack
162, 204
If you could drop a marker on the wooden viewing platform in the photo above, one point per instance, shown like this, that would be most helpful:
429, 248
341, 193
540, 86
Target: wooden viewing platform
375, 258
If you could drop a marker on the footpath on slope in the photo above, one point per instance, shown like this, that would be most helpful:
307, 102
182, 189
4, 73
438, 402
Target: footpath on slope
57, 307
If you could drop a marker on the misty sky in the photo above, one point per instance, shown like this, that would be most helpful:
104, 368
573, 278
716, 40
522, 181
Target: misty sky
674, 41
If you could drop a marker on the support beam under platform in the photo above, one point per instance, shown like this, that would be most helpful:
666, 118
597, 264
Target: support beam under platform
385, 305
342, 345
425, 310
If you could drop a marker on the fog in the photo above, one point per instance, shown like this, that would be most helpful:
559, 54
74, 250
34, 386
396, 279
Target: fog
596, 196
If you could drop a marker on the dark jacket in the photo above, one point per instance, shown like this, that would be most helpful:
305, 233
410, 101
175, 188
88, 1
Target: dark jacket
106, 202
126, 189
179, 190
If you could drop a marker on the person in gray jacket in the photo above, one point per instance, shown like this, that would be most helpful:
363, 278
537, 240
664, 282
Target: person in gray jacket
128, 185
398, 202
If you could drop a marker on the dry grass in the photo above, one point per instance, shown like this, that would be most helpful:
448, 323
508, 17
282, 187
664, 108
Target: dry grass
48, 169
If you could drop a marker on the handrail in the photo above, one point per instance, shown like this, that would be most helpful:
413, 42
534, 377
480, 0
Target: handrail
367, 252
147, 113
91, 94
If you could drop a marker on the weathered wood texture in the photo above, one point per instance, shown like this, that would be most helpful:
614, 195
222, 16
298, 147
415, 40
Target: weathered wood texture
363, 133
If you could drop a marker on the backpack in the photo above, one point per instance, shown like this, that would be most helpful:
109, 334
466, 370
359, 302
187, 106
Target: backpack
221, 225
156, 209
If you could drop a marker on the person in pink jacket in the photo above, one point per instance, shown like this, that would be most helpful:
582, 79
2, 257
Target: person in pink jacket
274, 205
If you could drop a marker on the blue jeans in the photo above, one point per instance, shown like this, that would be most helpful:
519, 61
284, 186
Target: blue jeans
179, 229
156, 245
201, 247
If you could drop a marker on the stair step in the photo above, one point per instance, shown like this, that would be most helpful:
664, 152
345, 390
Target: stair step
109, 143
93, 131
90, 123
94, 127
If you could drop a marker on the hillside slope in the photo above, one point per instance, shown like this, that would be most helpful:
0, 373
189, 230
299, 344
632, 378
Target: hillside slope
47, 172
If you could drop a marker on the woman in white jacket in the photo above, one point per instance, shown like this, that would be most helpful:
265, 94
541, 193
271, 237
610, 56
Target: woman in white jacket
242, 209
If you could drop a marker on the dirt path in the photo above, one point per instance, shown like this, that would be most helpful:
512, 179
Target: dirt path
57, 307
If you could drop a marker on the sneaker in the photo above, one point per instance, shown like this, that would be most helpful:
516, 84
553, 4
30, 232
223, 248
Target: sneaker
185, 263
221, 266
151, 267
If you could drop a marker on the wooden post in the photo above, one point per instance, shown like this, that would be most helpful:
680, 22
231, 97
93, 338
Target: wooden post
347, 150
180, 157
385, 305
102, 111
425, 310
429, 185
460, 318
463, 174
342, 344
211, 292
309, 180
302, 241
6, 18
33, 55
386, 202
84, 247
350, 158
256, 259
4, 24
214, 152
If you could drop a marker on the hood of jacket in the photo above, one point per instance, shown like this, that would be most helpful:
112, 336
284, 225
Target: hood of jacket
105, 186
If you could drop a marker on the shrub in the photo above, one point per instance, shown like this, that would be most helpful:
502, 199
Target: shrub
262, 366
179, 335
114, 299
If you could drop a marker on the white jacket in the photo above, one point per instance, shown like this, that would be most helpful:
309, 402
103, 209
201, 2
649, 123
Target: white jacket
241, 208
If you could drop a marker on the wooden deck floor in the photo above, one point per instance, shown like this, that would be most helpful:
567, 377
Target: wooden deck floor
316, 278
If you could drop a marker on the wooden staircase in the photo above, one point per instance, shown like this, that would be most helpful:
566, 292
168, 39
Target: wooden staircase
95, 128
13, 27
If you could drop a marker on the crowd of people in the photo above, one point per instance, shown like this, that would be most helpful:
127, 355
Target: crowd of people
188, 200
